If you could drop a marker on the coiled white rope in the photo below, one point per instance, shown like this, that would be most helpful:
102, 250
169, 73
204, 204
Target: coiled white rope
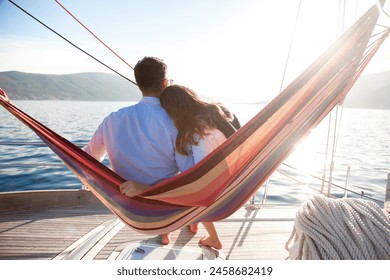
340, 229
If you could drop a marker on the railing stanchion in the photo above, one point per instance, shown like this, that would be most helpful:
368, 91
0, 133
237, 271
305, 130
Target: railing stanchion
265, 192
387, 195
347, 182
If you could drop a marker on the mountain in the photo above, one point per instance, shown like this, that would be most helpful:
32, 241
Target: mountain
370, 91
83, 86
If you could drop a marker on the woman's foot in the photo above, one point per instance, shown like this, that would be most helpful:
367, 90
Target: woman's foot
213, 243
194, 228
165, 238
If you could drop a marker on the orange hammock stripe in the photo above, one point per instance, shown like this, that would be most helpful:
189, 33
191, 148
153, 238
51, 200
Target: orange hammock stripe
228, 177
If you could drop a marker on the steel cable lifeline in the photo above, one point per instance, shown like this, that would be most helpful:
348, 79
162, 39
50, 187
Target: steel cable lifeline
68, 41
290, 47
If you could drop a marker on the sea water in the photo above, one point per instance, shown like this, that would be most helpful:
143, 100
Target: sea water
359, 144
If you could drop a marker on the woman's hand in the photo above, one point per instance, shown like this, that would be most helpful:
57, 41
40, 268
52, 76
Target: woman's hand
131, 188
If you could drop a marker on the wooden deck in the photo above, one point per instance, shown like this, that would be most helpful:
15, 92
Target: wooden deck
74, 225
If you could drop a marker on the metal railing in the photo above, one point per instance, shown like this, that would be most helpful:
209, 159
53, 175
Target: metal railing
346, 188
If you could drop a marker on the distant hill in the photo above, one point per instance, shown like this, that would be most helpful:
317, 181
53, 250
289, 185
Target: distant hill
370, 91
83, 86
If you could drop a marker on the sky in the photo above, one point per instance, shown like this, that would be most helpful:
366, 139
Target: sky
229, 49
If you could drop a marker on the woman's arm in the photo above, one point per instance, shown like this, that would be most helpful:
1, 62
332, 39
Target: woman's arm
210, 141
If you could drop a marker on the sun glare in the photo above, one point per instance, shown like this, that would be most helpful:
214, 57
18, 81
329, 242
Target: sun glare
237, 51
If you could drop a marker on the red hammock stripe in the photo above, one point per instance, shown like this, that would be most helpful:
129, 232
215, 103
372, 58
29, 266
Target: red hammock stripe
228, 177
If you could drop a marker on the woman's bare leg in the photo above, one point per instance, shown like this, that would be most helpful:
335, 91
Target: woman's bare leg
213, 239
194, 228
165, 238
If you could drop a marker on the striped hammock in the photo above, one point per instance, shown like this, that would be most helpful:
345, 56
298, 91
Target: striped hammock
228, 177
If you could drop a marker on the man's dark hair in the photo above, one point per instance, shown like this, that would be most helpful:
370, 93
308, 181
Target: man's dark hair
149, 73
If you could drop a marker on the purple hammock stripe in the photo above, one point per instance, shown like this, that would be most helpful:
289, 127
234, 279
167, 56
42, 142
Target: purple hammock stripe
228, 177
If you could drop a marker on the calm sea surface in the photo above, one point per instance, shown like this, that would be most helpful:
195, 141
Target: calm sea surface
361, 144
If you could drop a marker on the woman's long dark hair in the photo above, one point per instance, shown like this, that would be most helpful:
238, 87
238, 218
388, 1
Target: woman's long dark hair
191, 115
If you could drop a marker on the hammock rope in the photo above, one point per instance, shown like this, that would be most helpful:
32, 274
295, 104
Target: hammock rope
340, 229
93, 34
71, 43
229, 176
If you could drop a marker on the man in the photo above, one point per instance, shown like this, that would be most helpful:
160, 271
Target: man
139, 140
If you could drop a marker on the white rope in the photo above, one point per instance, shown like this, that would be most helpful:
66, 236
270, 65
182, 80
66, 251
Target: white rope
340, 229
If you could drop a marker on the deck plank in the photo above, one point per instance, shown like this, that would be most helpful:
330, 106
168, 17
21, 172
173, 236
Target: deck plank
42, 234
247, 234
45, 233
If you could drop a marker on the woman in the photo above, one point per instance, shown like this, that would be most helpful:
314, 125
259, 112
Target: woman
202, 127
